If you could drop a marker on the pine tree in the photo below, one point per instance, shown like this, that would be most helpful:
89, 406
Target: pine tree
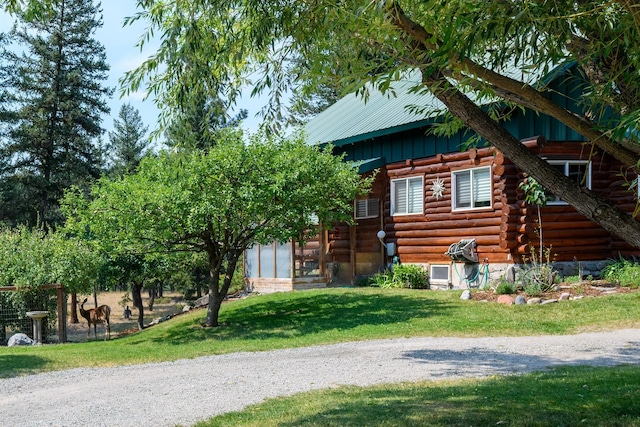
197, 124
127, 143
54, 99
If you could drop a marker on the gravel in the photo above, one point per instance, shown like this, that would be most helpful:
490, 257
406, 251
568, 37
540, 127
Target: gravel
190, 390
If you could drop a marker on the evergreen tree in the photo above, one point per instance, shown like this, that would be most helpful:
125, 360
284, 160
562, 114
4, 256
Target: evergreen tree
127, 143
198, 122
54, 99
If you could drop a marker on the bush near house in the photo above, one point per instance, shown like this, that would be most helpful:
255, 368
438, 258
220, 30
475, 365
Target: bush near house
401, 276
623, 272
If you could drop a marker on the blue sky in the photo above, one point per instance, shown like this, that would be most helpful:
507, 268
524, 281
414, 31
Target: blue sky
123, 55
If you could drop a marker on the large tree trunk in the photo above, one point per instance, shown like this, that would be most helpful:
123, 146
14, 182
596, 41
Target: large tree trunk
583, 200
213, 311
136, 290
217, 294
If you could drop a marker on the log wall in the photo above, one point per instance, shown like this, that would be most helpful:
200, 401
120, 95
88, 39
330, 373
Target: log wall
425, 238
508, 230
570, 235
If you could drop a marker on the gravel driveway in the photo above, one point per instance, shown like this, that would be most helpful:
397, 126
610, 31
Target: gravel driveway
183, 392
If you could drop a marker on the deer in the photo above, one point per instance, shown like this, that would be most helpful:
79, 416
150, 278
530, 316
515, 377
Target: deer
97, 315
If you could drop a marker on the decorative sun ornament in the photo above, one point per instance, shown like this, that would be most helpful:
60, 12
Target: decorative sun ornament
437, 189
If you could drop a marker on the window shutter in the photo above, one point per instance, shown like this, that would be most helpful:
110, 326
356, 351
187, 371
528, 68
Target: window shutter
400, 197
415, 195
463, 189
367, 208
361, 208
482, 187
373, 207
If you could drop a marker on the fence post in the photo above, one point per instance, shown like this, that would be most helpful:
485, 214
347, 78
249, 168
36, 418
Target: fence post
62, 314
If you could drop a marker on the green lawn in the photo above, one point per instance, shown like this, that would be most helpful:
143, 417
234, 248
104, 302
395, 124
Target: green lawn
570, 396
562, 397
298, 319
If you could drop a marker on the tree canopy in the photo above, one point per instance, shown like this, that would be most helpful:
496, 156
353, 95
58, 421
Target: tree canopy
463, 49
218, 202
30, 258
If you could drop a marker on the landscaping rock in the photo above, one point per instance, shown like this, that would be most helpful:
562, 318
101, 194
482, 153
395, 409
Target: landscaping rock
466, 295
548, 301
520, 300
534, 301
564, 296
577, 297
19, 339
505, 299
160, 320
186, 308
202, 301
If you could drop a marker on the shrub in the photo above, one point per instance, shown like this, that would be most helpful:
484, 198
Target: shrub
623, 272
533, 289
384, 280
505, 287
412, 276
401, 276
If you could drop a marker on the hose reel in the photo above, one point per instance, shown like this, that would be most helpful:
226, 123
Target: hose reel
463, 251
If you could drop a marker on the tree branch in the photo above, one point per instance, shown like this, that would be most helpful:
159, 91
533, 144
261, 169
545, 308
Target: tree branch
516, 91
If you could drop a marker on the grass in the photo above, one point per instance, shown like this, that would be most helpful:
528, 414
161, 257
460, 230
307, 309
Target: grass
561, 397
571, 396
298, 319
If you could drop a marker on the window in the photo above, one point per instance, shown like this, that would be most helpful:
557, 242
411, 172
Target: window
406, 196
439, 274
579, 171
471, 188
367, 208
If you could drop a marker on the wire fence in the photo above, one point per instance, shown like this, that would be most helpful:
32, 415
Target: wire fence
14, 305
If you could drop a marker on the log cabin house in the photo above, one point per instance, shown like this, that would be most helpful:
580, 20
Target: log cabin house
458, 212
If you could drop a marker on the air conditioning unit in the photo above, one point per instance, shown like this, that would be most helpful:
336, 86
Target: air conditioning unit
463, 251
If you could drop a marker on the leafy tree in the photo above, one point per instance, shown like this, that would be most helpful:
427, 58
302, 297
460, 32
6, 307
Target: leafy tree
305, 106
219, 202
29, 8
461, 47
127, 143
31, 258
134, 270
53, 102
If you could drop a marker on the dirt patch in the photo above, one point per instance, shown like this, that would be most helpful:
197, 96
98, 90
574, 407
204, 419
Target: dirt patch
170, 305
592, 288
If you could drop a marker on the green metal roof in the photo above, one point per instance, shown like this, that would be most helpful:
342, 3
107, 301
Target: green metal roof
352, 118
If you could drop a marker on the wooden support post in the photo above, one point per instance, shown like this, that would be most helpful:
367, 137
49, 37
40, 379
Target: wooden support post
352, 252
62, 314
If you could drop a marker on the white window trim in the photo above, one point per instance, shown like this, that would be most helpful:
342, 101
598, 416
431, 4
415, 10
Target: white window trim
439, 281
454, 189
372, 208
393, 195
566, 163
